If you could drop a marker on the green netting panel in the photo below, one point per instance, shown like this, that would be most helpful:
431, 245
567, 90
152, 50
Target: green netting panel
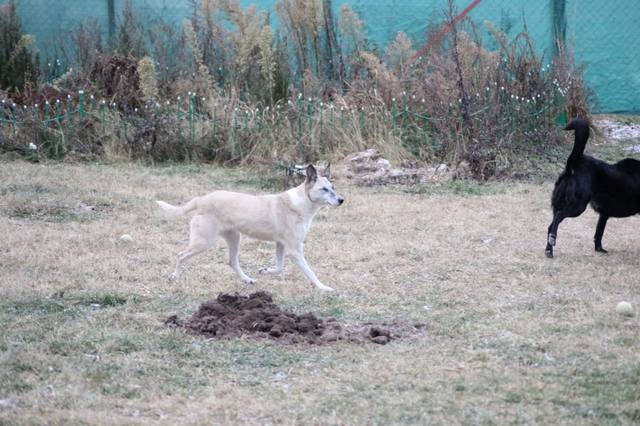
606, 35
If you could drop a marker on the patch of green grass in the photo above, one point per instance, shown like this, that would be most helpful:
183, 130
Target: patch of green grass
121, 390
61, 305
109, 300
176, 341
245, 356
59, 212
262, 182
175, 169
102, 372
60, 347
613, 386
12, 383
513, 398
27, 188
614, 152
33, 307
457, 187
334, 306
125, 344
92, 299
46, 213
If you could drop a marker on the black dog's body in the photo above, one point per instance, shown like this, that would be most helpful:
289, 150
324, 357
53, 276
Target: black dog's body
612, 189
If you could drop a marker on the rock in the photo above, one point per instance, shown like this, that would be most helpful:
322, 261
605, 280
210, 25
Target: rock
616, 130
624, 309
463, 170
276, 331
383, 164
442, 169
380, 340
377, 331
10, 156
368, 168
368, 155
329, 336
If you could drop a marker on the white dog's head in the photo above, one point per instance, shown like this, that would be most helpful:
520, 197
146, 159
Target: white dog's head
320, 189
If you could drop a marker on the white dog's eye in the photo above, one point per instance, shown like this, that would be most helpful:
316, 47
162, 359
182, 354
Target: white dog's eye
325, 189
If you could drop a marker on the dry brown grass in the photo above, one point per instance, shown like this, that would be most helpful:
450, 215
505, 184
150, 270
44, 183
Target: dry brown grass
512, 337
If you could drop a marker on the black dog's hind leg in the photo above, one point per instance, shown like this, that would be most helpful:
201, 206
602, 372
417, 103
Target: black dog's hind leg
602, 222
553, 231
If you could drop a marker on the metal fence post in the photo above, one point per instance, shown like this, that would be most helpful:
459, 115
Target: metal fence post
232, 132
81, 103
104, 126
191, 128
69, 113
46, 114
320, 143
13, 118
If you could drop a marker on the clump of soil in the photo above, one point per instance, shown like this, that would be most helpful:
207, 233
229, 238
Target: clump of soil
233, 315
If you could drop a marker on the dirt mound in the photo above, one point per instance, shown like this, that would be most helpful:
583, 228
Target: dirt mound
233, 315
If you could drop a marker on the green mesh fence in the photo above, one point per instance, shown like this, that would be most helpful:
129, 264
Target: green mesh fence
302, 120
605, 36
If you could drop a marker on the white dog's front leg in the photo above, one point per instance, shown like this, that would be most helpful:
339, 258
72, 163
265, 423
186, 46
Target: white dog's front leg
279, 261
302, 263
233, 241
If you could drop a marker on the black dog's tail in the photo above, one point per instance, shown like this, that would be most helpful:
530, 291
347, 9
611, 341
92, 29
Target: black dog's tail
581, 129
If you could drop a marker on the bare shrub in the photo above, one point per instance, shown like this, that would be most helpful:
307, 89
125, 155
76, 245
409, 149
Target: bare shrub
116, 78
227, 87
18, 57
130, 37
148, 81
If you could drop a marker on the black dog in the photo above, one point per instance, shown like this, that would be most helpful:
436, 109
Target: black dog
612, 190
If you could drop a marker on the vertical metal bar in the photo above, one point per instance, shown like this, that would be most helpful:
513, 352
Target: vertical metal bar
81, 103
559, 25
191, 128
13, 118
111, 12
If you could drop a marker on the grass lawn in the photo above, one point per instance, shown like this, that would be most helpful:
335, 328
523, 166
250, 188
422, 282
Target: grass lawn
510, 337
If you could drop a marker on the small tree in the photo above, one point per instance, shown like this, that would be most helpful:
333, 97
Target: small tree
17, 61
130, 37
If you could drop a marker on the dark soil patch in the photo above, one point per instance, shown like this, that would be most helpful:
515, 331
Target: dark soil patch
256, 315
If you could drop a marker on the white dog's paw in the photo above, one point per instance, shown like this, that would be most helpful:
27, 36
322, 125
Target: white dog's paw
173, 277
323, 287
267, 270
248, 281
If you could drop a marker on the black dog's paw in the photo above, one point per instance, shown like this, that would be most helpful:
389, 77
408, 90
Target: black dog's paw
549, 253
601, 250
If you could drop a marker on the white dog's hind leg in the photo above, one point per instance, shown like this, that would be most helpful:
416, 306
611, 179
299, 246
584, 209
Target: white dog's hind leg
279, 261
233, 241
302, 263
202, 237
182, 257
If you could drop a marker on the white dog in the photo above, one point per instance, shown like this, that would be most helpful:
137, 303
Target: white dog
284, 218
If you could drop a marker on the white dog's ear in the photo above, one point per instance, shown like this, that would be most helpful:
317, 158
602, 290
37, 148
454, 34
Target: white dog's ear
312, 175
327, 171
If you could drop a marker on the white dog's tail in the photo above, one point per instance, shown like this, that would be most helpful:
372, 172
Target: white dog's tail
174, 212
